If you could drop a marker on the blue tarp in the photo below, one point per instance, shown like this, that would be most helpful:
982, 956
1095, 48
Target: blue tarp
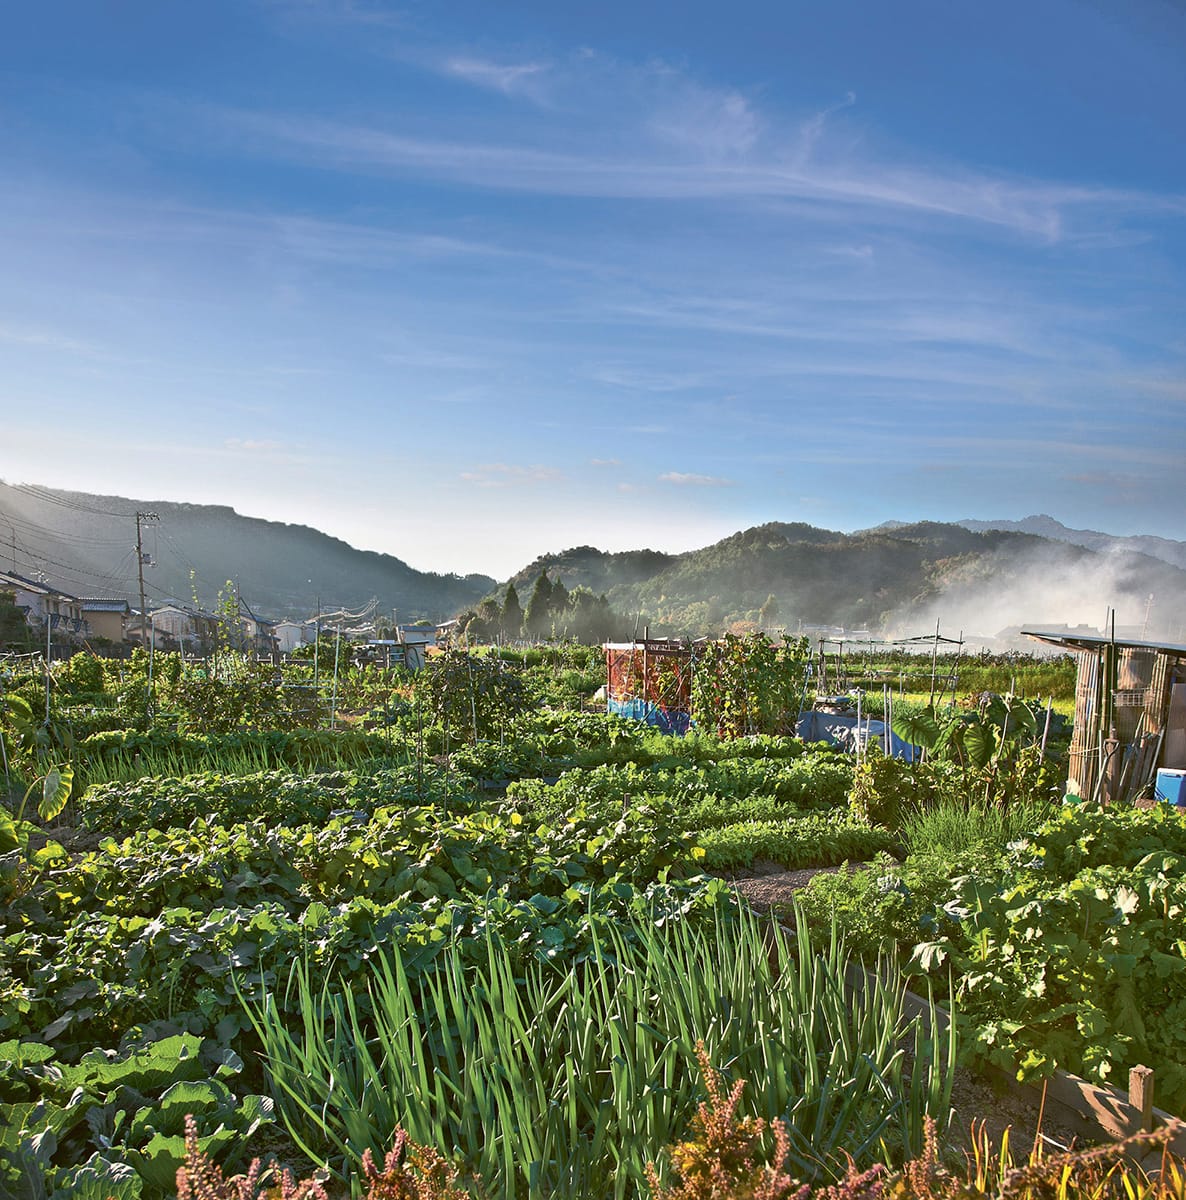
840, 729
667, 720
837, 729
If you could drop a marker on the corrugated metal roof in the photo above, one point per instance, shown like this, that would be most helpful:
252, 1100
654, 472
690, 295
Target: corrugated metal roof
1088, 641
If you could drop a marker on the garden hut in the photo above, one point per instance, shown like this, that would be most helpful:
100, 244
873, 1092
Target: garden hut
1130, 713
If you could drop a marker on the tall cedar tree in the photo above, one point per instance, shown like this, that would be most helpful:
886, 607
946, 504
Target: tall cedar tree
539, 607
512, 613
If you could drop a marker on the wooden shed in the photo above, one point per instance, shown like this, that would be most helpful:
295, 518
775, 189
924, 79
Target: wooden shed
1130, 712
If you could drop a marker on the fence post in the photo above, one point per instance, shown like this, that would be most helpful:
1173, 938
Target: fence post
1140, 1094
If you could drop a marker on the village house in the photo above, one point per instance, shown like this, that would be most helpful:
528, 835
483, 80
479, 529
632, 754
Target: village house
41, 603
187, 628
292, 634
106, 617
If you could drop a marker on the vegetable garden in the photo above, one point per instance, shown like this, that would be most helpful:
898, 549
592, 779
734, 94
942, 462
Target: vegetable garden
295, 920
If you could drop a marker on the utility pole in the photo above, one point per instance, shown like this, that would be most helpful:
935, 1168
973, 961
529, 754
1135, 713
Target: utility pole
144, 518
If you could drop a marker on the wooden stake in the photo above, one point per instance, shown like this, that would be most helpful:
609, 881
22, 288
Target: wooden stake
1140, 1093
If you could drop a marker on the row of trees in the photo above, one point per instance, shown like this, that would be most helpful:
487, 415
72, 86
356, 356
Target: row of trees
552, 611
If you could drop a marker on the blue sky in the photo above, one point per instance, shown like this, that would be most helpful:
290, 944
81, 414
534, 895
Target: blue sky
470, 282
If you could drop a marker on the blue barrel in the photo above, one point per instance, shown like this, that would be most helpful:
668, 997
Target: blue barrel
1171, 786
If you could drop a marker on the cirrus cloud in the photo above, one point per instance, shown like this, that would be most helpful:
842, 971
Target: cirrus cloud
686, 479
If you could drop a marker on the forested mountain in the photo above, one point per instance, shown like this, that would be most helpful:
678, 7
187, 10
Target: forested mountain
86, 544
896, 579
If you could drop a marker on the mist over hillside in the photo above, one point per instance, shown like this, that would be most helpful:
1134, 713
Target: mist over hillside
1042, 583
897, 580
1165, 549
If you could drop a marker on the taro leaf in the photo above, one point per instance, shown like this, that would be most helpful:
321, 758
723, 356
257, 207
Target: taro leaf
980, 742
1020, 716
55, 791
919, 729
98, 1179
951, 735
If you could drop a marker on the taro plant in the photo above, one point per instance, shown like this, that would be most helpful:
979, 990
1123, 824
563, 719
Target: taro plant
20, 862
991, 752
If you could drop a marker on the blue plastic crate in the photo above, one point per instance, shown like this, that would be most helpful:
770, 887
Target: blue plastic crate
1171, 786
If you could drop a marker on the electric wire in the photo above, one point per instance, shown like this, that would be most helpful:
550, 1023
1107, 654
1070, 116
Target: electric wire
33, 527
44, 494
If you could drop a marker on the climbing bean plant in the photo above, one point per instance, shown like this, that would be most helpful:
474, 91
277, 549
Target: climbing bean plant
747, 685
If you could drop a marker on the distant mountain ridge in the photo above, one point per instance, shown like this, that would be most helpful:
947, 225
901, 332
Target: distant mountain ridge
896, 579
86, 544
1166, 549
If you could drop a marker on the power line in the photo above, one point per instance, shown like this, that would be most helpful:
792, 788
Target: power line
186, 561
71, 570
48, 497
32, 527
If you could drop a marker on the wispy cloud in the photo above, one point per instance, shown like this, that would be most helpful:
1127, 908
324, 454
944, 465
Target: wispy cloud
497, 475
511, 79
864, 251
1028, 206
605, 462
682, 479
353, 244
714, 123
338, 12
812, 129
642, 380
